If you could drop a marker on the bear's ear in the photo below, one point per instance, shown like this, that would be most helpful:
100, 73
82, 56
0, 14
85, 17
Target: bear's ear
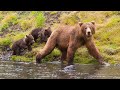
80, 23
26, 35
93, 22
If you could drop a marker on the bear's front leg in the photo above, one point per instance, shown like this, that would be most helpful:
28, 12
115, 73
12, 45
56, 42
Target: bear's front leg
16, 51
29, 48
38, 58
93, 51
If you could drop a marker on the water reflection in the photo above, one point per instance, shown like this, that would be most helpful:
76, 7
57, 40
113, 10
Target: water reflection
52, 70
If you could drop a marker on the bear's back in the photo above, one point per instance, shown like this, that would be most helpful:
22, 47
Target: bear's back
35, 31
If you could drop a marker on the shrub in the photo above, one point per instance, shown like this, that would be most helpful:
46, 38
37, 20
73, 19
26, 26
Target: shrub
25, 24
53, 12
69, 19
5, 41
10, 19
40, 20
18, 36
114, 20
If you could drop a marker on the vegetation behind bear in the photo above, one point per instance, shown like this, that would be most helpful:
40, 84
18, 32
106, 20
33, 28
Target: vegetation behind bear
14, 25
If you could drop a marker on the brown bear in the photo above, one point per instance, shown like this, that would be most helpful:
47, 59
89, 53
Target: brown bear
41, 33
22, 44
68, 39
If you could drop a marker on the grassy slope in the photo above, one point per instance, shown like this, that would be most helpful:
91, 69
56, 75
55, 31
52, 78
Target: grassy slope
107, 37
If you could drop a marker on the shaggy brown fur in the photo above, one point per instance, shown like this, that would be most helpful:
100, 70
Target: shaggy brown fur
41, 33
68, 39
22, 44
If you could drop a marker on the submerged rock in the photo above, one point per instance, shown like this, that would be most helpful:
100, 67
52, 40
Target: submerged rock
69, 68
106, 64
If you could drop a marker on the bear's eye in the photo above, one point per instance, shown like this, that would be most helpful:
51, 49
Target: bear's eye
85, 28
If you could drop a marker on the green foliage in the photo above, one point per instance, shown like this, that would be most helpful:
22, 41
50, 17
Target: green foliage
21, 58
18, 36
115, 13
110, 51
40, 20
114, 20
34, 13
53, 12
88, 16
25, 24
4, 26
70, 19
82, 56
5, 41
10, 19
1, 17
52, 55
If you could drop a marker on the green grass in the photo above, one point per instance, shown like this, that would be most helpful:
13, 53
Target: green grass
55, 53
8, 20
5, 42
82, 56
21, 58
69, 19
53, 12
40, 20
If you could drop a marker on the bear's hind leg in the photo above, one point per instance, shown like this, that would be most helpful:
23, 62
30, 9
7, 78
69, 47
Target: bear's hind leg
64, 55
49, 46
70, 54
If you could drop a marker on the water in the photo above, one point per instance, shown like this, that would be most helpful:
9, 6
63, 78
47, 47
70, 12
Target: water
53, 70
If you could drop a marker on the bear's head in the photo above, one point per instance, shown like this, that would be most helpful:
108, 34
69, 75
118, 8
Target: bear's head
88, 29
29, 39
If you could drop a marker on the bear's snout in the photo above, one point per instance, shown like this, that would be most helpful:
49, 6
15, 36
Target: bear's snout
32, 42
88, 32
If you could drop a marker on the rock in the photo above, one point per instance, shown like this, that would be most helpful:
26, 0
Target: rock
69, 68
106, 64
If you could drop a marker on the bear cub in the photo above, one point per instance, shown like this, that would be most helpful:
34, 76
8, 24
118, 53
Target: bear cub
25, 43
41, 33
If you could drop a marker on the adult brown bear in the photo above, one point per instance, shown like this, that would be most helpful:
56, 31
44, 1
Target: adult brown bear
41, 33
25, 43
68, 39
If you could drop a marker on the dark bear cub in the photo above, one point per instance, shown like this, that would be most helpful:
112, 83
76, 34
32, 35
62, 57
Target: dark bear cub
41, 33
25, 43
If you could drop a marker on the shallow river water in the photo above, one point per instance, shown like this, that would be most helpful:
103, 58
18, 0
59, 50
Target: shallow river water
53, 70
